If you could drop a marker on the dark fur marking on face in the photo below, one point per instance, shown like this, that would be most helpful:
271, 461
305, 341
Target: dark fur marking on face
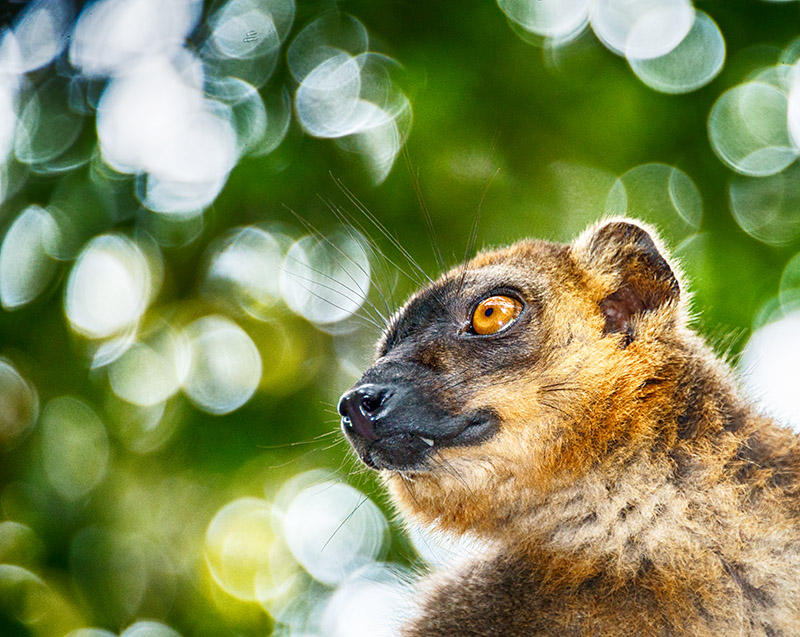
431, 305
436, 366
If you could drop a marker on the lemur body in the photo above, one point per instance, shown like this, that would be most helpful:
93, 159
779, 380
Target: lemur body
552, 400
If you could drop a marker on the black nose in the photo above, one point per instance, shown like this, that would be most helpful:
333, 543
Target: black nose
361, 408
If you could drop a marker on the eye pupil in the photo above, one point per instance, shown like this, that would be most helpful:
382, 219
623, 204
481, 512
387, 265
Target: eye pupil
489, 311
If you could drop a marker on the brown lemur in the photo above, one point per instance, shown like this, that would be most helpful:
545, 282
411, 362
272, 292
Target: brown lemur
552, 400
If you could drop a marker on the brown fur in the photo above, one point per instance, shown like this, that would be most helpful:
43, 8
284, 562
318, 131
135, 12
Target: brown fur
629, 489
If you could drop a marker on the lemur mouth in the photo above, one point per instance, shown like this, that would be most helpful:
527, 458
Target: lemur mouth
402, 427
414, 452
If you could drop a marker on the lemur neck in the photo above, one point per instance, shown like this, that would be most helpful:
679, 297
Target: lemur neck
655, 495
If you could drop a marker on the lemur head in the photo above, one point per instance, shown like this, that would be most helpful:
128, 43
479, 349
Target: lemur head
501, 376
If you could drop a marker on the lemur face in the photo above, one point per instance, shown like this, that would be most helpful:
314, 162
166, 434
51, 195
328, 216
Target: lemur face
501, 369
476, 328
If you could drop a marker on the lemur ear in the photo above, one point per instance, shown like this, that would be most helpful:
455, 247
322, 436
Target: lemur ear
643, 279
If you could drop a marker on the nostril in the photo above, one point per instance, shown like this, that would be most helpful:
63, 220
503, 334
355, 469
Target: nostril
371, 403
361, 409
366, 400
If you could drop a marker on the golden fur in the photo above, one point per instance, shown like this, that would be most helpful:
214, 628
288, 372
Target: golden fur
629, 488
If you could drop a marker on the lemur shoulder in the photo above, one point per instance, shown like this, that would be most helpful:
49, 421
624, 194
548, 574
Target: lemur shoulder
553, 400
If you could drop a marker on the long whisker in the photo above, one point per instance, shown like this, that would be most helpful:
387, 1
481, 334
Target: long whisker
378, 319
452, 471
338, 249
424, 209
549, 405
297, 443
343, 522
381, 228
410, 276
295, 459
473, 236
380, 257
336, 443
366, 318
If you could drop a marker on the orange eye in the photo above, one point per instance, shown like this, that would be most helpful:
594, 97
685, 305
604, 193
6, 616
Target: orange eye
494, 314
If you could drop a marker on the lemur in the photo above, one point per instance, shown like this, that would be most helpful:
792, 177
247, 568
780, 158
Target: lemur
552, 400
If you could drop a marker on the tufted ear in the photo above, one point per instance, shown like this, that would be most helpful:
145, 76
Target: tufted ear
642, 279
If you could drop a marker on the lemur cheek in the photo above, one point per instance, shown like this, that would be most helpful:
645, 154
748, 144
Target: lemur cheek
512, 402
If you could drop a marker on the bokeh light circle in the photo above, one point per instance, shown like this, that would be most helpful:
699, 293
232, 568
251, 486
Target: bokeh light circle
26, 267
766, 208
642, 29
111, 34
660, 194
155, 119
245, 29
75, 447
770, 367
333, 529
693, 63
40, 32
327, 101
109, 286
749, 131
245, 265
348, 94
238, 544
245, 39
555, 19
19, 405
219, 364
144, 375
326, 37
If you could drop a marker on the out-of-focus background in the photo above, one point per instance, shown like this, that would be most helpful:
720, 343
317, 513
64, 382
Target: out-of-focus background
207, 210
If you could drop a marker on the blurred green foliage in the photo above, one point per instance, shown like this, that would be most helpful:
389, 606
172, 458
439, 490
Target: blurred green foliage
532, 139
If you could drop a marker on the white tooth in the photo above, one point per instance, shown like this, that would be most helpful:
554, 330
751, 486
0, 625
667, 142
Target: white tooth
427, 441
